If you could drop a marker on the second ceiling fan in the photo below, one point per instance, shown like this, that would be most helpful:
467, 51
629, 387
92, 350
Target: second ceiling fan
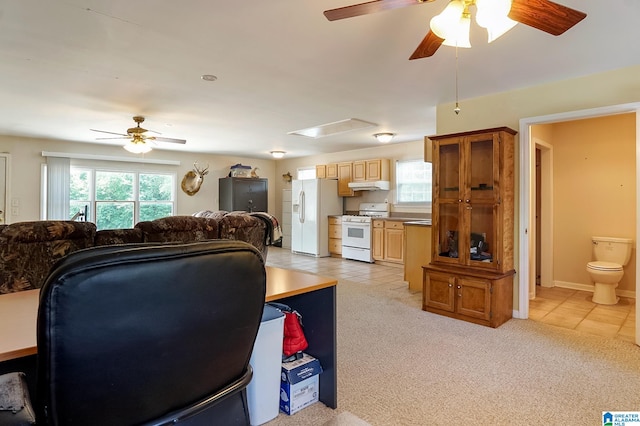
137, 137
544, 15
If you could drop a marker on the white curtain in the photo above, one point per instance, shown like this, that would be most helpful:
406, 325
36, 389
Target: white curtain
58, 181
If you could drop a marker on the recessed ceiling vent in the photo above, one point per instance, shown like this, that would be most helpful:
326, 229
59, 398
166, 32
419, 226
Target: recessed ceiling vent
334, 128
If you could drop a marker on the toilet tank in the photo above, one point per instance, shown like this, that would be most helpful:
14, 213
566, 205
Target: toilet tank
610, 249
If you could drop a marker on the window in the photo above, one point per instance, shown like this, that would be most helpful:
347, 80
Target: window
118, 199
413, 182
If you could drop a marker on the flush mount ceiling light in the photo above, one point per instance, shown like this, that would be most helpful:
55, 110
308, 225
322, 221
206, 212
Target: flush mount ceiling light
277, 154
334, 128
384, 137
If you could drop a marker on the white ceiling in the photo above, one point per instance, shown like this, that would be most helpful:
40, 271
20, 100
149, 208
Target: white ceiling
67, 66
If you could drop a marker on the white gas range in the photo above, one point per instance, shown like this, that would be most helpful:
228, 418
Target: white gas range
357, 231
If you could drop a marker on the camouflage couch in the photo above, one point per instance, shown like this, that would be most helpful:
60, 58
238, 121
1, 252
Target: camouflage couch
28, 250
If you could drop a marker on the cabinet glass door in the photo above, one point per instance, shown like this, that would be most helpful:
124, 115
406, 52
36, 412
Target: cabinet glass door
482, 236
449, 171
483, 187
482, 163
448, 232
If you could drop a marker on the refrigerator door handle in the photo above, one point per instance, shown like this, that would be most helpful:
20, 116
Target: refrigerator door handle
302, 206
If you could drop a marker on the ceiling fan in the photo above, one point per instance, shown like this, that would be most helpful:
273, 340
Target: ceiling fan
137, 137
543, 15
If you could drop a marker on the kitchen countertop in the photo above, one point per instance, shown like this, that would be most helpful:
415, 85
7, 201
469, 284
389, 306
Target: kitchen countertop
426, 222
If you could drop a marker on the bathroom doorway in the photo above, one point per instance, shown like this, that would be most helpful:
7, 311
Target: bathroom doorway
529, 256
542, 274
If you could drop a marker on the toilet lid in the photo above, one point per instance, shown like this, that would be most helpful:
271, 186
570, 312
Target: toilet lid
604, 266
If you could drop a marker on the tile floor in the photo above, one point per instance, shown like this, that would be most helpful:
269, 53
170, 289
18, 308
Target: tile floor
574, 309
561, 307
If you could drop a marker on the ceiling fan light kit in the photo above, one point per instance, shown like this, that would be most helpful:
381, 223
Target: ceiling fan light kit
137, 146
451, 27
137, 138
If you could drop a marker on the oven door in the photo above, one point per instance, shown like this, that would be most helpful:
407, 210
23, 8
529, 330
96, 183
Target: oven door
356, 234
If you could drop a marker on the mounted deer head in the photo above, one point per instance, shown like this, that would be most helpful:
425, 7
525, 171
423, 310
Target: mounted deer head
193, 179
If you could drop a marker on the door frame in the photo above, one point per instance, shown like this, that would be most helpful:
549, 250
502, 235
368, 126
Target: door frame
526, 259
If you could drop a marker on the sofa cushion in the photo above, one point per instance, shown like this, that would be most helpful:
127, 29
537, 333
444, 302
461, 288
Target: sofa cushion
178, 229
29, 249
107, 237
243, 227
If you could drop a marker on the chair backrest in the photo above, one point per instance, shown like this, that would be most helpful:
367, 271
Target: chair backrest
129, 334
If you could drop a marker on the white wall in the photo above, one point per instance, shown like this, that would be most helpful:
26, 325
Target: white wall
26, 157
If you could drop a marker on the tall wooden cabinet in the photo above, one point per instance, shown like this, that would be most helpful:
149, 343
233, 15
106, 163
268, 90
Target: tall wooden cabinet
471, 272
248, 194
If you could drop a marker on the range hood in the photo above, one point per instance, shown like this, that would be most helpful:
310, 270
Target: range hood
370, 186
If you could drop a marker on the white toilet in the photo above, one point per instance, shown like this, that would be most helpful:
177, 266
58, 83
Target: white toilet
606, 271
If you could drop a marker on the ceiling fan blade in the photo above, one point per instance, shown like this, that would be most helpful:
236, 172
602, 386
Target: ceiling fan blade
428, 46
545, 15
369, 7
171, 140
111, 133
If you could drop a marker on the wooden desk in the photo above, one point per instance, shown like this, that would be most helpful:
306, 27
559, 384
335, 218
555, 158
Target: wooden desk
18, 314
311, 295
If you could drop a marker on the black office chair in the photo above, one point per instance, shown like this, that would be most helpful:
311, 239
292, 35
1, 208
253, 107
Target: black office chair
149, 335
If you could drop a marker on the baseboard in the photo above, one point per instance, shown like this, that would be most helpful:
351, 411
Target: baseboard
589, 287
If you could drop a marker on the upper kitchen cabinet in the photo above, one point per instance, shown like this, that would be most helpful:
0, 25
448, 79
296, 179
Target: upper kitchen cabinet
345, 172
371, 170
332, 171
321, 171
473, 199
248, 194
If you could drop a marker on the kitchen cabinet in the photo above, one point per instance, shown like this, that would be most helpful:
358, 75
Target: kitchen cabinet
335, 236
247, 194
472, 217
393, 241
371, 170
345, 171
321, 171
417, 252
377, 239
332, 171
388, 241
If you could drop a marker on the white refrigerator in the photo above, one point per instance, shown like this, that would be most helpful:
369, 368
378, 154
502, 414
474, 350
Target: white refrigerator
312, 202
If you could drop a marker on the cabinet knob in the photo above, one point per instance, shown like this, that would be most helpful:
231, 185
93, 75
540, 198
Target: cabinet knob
450, 285
458, 286
467, 201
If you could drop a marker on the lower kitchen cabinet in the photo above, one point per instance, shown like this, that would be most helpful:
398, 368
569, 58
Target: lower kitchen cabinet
481, 297
377, 240
393, 241
335, 236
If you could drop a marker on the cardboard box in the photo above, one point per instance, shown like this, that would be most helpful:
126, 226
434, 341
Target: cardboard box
299, 384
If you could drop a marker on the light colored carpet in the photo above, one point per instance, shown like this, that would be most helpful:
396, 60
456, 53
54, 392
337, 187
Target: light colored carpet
399, 365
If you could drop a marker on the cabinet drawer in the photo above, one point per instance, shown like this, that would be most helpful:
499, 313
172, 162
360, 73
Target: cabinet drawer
335, 231
335, 221
377, 223
393, 224
335, 245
